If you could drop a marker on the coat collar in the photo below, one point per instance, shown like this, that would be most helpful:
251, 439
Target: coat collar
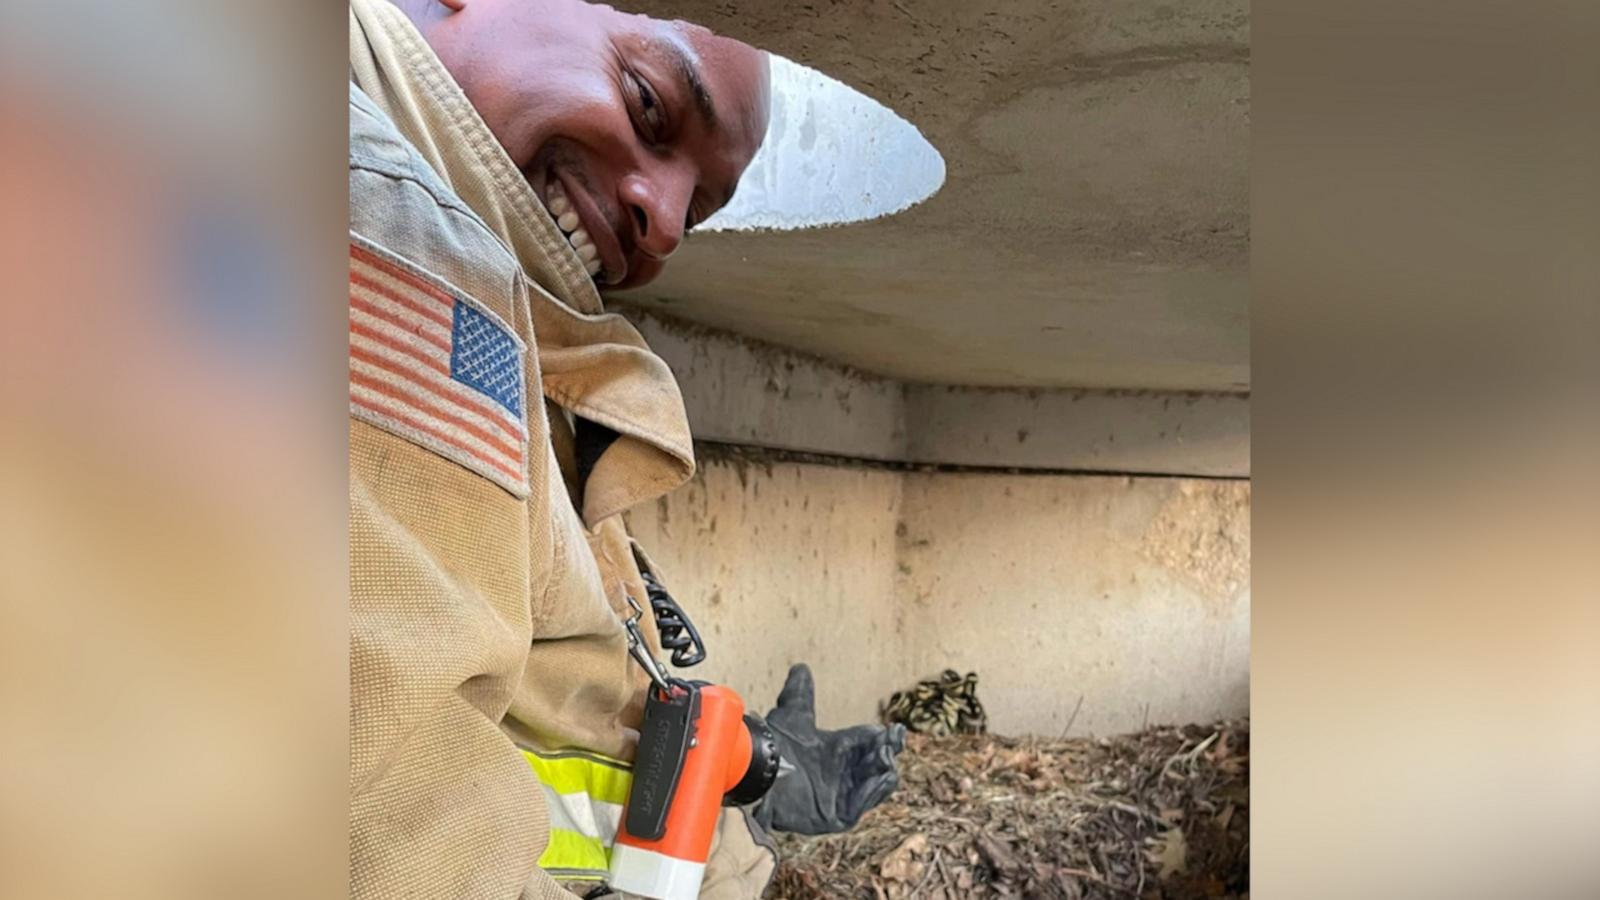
591, 362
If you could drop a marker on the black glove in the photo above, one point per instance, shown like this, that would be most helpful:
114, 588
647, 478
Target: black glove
836, 776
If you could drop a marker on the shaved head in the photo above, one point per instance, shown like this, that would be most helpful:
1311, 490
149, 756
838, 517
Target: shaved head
631, 130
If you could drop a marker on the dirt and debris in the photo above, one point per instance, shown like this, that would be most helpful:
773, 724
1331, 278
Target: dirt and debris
1159, 815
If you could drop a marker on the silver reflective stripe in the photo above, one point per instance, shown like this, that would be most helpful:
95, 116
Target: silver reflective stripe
584, 814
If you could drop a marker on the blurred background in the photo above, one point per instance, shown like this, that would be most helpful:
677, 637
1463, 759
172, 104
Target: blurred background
172, 450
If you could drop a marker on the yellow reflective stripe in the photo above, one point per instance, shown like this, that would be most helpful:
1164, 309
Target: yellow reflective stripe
602, 778
575, 855
592, 782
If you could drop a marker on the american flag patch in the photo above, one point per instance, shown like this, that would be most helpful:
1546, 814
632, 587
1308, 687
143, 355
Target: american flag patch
429, 364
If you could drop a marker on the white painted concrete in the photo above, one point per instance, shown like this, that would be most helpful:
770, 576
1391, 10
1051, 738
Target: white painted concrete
742, 391
1105, 431
786, 564
1094, 227
1130, 592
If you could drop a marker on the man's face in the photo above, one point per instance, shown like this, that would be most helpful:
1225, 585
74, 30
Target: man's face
630, 130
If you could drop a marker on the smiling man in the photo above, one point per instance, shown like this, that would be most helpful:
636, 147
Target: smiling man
630, 130
508, 160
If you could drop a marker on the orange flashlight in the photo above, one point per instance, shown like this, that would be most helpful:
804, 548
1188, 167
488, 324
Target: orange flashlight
698, 751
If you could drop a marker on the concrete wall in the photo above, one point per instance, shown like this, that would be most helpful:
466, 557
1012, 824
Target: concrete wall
787, 563
1129, 592
742, 391
884, 531
1115, 431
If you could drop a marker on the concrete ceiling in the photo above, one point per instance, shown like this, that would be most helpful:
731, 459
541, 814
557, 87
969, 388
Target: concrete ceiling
1093, 230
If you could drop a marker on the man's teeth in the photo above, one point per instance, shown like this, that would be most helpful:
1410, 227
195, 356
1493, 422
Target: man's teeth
567, 220
581, 242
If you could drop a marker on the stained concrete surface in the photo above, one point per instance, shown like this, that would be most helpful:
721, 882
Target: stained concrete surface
1093, 230
742, 391
1129, 592
784, 564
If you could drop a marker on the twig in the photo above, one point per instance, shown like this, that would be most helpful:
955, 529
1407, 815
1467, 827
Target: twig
1191, 755
1072, 718
1083, 873
944, 875
1203, 745
917, 891
1129, 809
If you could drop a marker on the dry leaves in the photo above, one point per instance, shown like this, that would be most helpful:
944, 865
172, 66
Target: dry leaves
901, 864
1160, 815
1169, 853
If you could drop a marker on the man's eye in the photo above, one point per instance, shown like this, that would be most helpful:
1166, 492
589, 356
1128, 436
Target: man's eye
649, 109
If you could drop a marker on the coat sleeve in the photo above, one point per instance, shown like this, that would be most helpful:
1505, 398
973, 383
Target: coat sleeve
743, 859
442, 804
